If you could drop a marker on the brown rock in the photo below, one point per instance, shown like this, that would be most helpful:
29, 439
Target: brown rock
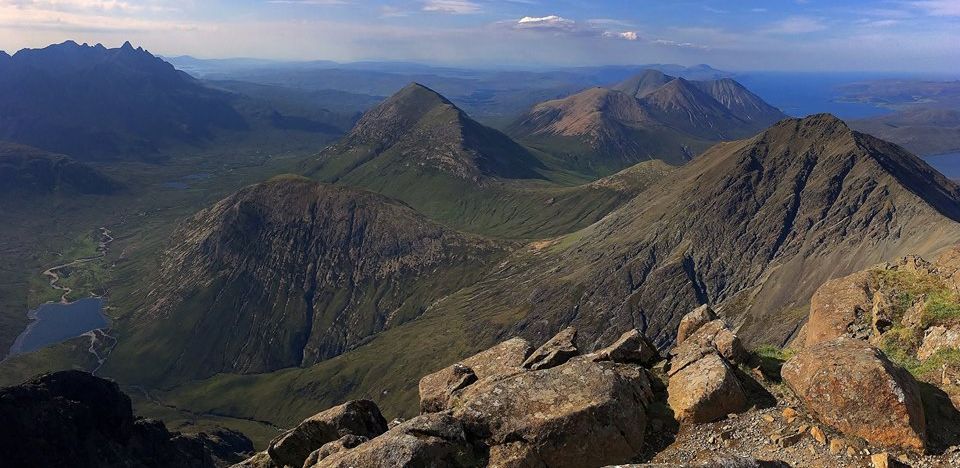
581, 413
704, 391
937, 338
501, 360
789, 440
881, 315
358, 417
818, 435
346, 442
837, 446
691, 322
768, 418
854, 388
882, 460
789, 413
836, 305
631, 347
554, 352
431, 440
710, 337
436, 388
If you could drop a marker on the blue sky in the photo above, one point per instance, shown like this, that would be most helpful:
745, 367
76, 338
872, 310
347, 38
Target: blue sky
877, 35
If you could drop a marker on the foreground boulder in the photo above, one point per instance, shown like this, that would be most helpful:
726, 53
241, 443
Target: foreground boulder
706, 390
853, 387
431, 440
581, 413
554, 352
501, 360
359, 418
703, 385
632, 346
75, 419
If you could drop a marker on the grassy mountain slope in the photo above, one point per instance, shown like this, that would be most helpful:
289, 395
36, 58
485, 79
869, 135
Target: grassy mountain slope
29, 171
753, 226
648, 116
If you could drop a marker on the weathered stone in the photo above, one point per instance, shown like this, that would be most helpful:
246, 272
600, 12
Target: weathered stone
818, 435
789, 440
882, 460
705, 391
837, 446
581, 413
631, 347
555, 351
854, 388
881, 315
504, 359
838, 304
937, 338
692, 322
711, 337
436, 388
358, 417
346, 442
434, 440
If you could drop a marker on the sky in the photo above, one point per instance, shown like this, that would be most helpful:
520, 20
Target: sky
814, 35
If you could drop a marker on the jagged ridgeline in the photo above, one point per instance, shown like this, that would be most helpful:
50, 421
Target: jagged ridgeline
420, 148
648, 116
753, 226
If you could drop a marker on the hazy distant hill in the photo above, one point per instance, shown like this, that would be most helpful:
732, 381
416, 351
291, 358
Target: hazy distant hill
29, 171
923, 130
94, 102
649, 116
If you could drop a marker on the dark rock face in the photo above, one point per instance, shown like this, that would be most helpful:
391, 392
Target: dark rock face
72, 418
94, 102
358, 418
291, 272
30, 171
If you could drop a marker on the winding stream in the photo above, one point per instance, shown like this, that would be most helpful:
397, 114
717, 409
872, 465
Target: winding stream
56, 322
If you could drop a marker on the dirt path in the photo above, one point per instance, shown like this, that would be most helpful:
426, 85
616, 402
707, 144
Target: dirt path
105, 240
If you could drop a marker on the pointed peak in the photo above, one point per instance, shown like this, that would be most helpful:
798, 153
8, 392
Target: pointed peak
825, 121
126, 46
418, 93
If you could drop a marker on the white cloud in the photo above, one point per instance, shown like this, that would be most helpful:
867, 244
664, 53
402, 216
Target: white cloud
939, 7
682, 45
454, 7
797, 25
552, 21
627, 35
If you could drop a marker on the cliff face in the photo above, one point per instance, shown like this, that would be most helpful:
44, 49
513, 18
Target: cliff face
291, 272
72, 418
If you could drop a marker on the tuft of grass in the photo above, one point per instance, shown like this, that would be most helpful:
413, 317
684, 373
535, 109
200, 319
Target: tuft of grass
900, 344
928, 370
941, 308
770, 359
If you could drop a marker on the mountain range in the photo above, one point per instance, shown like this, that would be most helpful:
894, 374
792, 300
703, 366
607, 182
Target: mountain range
93, 103
648, 116
752, 226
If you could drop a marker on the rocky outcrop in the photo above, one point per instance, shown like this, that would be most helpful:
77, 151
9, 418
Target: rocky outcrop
554, 352
503, 359
853, 387
703, 384
632, 346
75, 419
938, 338
357, 418
434, 440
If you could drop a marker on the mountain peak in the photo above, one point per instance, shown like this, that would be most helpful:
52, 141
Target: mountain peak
644, 83
126, 46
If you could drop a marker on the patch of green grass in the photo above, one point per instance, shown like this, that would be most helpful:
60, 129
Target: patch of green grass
928, 370
941, 308
900, 344
770, 359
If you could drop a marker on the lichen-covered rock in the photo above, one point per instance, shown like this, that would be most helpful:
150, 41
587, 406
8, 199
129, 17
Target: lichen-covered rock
435, 389
705, 390
346, 442
581, 413
851, 386
358, 417
937, 338
435, 440
501, 360
836, 305
691, 322
555, 351
713, 336
631, 347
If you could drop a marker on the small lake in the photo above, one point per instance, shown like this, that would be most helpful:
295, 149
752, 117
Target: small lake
55, 323
948, 164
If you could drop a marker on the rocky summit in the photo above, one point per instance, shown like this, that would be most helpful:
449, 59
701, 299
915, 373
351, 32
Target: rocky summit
72, 418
